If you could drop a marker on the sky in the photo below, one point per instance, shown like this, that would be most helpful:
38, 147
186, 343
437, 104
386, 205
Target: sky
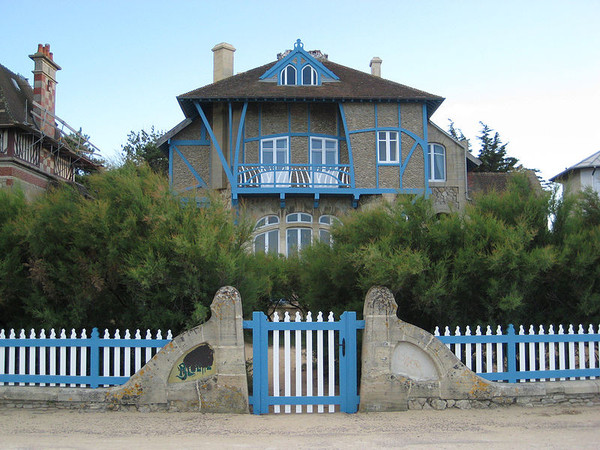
528, 69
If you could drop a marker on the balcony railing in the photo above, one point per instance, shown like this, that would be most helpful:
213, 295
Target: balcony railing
293, 176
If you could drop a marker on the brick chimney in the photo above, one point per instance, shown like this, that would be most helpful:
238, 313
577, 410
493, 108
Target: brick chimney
44, 84
222, 61
375, 66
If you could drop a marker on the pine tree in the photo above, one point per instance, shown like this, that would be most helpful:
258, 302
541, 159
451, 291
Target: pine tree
493, 152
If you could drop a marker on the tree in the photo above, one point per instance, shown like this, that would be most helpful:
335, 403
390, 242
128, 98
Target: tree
493, 152
457, 133
141, 148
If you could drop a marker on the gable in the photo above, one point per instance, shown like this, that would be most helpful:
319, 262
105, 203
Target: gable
305, 68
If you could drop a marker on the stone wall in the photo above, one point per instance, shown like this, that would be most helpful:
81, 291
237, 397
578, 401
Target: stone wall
405, 367
203, 369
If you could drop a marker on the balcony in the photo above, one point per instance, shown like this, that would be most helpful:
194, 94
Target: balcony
293, 177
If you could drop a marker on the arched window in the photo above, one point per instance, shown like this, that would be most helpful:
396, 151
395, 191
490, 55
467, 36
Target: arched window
298, 238
437, 162
268, 240
288, 75
309, 76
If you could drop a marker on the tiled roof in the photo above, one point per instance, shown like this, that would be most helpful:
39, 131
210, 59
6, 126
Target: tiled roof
15, 96
589, 162
353, 85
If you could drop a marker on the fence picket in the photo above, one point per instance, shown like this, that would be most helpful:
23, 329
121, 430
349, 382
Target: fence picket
457, 346
581, 350
42, 356
591, 351
468, 353
2, 354
571, 351
287, 363
499, 352
52, 356
542, 352
117, 357
22, 357
72, 357
552, 352
127, 356
276, 408
137, 354
331, 358
83, 358
320, 390
106, 354
32, 356
488, 352
478, 357
11, 356
531, 354
298, 347
309, 363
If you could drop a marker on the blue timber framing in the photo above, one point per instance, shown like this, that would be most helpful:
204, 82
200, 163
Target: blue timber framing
348, 398
216, 144
173, 149
236, 160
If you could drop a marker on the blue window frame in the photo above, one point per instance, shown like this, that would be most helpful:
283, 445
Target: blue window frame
288, 76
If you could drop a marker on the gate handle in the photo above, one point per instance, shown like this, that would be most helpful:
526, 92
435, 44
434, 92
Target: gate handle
343, 345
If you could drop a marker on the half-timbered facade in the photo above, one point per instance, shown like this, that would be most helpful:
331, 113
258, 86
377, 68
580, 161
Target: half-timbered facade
36, 147
302, 139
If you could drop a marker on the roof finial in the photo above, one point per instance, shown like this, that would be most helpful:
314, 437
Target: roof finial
298, 44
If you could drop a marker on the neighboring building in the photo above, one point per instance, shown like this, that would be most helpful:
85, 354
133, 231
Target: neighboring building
302, 140
582, 175
33, 150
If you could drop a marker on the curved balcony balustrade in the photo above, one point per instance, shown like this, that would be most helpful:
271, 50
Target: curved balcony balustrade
310, 176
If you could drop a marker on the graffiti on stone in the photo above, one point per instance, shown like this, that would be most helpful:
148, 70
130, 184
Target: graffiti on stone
196, 364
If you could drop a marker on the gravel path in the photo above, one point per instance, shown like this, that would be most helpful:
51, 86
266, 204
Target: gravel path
553, 427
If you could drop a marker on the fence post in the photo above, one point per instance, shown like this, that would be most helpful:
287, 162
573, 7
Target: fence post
94, 342
349, 397
260, 363
511, 343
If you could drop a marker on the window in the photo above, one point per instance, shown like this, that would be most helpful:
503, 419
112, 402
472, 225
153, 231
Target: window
324, 152
387, 147
309, 76
299, 217
437, 162
324, 233
273, 157
297, 239
288, 76
3, 141
268, 241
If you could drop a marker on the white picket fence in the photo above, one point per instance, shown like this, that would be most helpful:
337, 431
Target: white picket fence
535, 355
75, 361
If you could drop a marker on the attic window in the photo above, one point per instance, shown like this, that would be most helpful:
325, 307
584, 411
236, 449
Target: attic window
16, 84
309, 76
288, 76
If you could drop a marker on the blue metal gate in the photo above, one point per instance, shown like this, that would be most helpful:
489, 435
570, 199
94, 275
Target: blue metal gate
341, 375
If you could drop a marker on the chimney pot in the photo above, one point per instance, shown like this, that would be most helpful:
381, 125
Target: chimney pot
376, 66
222, 61
40, 48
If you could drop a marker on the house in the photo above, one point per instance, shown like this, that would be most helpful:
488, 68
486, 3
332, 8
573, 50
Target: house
301, 140
582, 175
36, 147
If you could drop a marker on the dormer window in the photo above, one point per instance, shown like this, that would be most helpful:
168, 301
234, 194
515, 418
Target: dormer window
309, 76
288, 76
299, 67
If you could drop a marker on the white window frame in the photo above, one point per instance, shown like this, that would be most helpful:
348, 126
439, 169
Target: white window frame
3, 141
298, 244
314, 77
280, 177
270, 225
301, 218
388, 136
284, 76
432, 155
267, 248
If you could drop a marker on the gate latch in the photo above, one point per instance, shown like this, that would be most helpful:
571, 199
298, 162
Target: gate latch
343, 345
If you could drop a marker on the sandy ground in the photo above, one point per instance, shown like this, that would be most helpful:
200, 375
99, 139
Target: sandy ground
554, 427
